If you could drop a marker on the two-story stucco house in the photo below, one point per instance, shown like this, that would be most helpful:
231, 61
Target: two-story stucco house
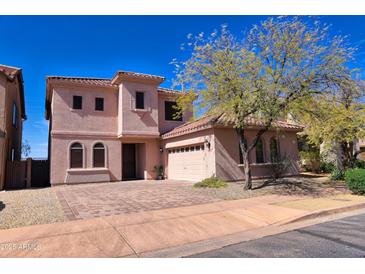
120, 128
12, 114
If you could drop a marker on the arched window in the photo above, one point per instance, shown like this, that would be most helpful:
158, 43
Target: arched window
99, 155
240, 152
274, 150
260, 151
76, 156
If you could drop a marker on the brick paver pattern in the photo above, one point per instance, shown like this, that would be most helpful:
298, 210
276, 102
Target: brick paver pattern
97, 200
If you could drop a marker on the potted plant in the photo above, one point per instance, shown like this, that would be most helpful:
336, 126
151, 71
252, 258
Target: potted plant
159, 171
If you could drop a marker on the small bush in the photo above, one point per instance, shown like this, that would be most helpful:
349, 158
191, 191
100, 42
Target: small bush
355, 180
337, 175
159, 170
211, 183
327, 167
359, 164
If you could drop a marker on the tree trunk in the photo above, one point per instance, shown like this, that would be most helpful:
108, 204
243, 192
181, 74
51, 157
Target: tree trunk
246, 161
339, 158
352, 157
247, 170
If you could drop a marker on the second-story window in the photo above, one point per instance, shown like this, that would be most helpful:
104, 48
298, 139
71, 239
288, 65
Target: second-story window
15, 116
77, 102
171, 111
139, 100
99, 104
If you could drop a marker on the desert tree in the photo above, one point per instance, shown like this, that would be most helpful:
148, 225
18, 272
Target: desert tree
335, 119
276, 63
25, 149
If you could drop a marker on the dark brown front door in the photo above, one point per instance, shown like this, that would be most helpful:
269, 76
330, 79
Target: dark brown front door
129, 161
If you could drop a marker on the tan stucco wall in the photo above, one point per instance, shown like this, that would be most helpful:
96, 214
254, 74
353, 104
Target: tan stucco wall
132, 122
14, 134
60, 161
86, 120
9, 135
3, 149
147, 154
227, 153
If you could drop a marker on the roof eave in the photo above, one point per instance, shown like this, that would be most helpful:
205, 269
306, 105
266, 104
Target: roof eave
213, 125
121, 76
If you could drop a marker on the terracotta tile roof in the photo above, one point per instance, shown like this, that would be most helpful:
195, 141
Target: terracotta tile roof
84, 80
122, 74
105, 82
108, 82
9, 72
169, 91
222, 119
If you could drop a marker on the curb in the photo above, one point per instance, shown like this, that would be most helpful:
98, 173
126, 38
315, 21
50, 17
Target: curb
322, 213
308, 219
191, 249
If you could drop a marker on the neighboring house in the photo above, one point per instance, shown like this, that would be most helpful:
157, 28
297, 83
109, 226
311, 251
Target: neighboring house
361, 147
12, 114
120, 128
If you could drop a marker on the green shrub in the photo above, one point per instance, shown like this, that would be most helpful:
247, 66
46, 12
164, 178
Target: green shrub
337, 175
159, 170
355, 180
211, 183
359, 164
327, 167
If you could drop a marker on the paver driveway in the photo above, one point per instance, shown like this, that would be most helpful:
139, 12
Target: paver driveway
96, 200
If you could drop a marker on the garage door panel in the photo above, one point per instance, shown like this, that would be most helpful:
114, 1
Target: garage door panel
189, 165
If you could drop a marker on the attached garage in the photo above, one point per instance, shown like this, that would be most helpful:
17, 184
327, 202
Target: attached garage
187, 163
209, 147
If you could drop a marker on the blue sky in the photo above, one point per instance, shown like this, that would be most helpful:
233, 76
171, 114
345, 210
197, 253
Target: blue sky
97, 46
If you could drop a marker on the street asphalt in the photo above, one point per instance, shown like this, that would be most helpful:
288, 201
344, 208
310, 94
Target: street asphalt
343, 238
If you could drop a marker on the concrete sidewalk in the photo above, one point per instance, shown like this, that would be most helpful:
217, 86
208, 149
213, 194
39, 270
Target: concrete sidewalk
133, 235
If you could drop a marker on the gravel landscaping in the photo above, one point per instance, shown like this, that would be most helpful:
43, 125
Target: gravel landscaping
298, 186
29, 207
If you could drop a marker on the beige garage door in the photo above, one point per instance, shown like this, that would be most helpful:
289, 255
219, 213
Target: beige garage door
187, 163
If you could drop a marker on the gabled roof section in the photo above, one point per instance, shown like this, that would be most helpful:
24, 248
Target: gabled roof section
13, 73
128, 75
9, 72
210, 121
